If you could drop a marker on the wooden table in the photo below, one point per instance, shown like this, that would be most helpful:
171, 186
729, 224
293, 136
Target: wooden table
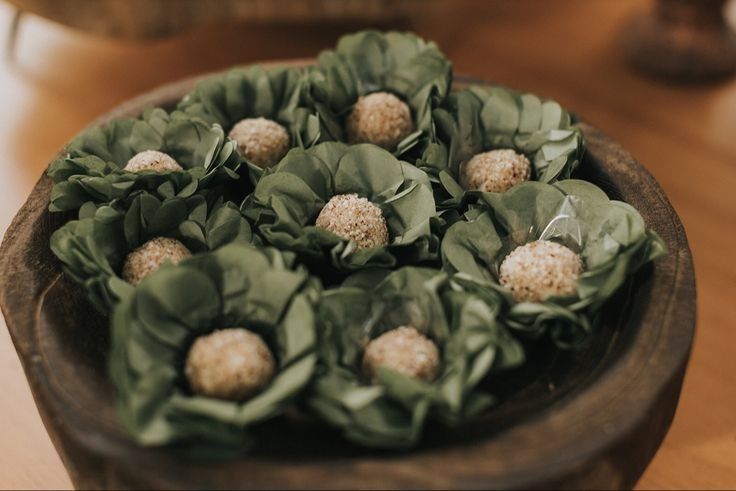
566, 50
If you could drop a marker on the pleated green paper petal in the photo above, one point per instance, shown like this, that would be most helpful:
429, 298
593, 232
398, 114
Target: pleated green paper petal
92, 168
369, 61
288, 198
609, 235
485, 118
275, 93
154, 326
92, 249
393, 412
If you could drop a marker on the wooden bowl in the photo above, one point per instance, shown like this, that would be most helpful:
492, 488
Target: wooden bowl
589, 419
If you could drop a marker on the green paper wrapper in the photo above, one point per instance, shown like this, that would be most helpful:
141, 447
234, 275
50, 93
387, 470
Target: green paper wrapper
392, 413
92, 250
485, 118
289, 197
609, 235
154, 326
92, 168
369, 61
276, 93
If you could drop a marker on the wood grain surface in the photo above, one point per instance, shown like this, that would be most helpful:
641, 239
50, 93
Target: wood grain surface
62, 79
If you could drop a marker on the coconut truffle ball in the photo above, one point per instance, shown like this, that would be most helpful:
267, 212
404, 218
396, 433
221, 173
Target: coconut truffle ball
540, 269
495, 171
262, 141
379, 118
354, 218
232, 364
148, 258
152, 160
404, 350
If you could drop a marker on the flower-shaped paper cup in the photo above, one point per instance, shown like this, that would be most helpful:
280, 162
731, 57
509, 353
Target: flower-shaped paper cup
93, 166
94, 248
402, 64
288, 199
609, 236
480, 119
155, 325
391, 411
275, 93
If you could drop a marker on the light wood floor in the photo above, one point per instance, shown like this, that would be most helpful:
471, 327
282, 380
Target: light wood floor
686, 136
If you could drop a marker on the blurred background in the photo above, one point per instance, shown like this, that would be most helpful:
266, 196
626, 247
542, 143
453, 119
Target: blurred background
655, 76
